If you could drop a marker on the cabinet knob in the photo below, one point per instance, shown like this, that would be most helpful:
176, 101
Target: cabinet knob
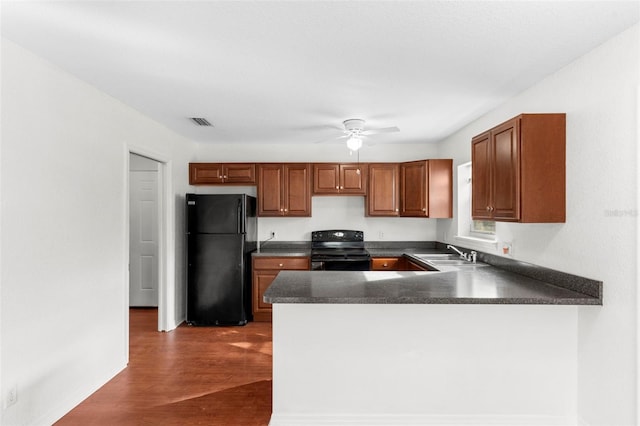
342, 187
396, 209
281, 265
488, 208
283, 209
286, 210
424, 210
225, 176
337, 187
384, 265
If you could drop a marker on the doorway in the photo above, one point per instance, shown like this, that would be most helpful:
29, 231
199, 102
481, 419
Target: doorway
143, 160
144, 231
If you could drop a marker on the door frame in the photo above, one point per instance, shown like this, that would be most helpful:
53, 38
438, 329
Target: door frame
166, 239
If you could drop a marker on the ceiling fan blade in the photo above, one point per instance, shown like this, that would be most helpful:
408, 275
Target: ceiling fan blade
383, 130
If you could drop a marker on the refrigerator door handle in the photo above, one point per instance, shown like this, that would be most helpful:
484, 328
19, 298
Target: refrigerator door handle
239, 216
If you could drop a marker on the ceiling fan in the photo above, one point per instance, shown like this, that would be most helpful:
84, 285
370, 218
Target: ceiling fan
354, 132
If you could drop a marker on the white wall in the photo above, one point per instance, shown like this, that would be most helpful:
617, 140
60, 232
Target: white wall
406, 364
599, 93
328, 212
64, 245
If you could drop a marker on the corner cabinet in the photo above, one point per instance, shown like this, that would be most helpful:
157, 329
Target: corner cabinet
222, 173
426, 188
335, 179
518, 170
264, 271
284, 189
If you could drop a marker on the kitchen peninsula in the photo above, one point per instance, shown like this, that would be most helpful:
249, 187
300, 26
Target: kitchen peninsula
477, 345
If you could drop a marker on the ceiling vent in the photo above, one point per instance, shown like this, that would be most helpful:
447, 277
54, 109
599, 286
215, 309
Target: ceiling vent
201, 121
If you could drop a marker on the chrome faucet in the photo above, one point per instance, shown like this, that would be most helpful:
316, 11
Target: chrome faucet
469, 257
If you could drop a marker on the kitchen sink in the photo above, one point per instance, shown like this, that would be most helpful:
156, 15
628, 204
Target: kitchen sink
446, 261
449, 262
437, 256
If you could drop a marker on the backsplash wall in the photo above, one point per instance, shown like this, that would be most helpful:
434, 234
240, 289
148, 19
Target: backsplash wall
335, 212
328, 212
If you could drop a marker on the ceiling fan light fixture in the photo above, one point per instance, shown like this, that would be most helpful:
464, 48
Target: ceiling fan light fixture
354, 143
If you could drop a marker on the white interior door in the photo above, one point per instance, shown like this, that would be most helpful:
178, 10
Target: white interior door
143, 231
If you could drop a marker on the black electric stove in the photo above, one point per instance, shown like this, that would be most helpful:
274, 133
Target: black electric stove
339, 250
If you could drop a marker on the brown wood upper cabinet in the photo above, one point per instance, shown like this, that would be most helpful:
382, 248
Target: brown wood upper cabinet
284, 189
518, 170
426, 188
218, 173
383, 192
333, 179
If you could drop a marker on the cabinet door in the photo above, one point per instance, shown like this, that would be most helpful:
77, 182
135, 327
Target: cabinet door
383, 191
240, 173
261, 281
481, 177
270, 188
205, 173
297, 189
506, 171
326, 179
440, 188
413, 188
353, 179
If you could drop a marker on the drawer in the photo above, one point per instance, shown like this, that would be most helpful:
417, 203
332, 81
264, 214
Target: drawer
300, 263
385, 263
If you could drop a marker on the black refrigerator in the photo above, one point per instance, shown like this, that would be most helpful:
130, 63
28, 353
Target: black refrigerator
221, 235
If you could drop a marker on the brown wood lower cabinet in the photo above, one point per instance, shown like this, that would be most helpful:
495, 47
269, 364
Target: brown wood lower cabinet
395, 264
386, 263
265, 269
410, 265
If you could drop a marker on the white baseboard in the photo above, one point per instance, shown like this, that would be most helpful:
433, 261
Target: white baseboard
73, 400
414, 420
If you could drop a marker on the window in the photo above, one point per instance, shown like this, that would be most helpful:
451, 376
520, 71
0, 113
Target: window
481, 230
483, 227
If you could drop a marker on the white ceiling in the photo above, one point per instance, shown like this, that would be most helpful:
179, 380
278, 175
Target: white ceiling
292, 71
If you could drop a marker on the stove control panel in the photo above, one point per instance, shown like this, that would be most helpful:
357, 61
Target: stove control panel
337, 235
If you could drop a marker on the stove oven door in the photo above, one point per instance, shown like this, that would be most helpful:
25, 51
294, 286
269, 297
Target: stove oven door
341, 265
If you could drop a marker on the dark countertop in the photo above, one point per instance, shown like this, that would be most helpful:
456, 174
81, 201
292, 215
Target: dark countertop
473, 285
375, 248
495, 280
286, 252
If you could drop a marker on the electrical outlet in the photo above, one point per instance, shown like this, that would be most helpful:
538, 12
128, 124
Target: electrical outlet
507, 249
12, 397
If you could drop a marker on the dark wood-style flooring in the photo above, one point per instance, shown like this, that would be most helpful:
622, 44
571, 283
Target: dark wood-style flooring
189, 376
